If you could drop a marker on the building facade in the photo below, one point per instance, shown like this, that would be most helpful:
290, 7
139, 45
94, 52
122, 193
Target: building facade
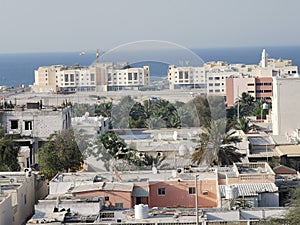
285, 110
259, 88
31, 125
19, 191
97, 77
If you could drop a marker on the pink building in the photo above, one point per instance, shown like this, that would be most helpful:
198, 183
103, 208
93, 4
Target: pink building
257, 87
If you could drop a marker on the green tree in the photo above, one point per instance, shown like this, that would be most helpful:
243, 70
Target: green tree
60, 153
103, 109
203, 110
293, 216
9, 150
244, 124
217, 145
114, 145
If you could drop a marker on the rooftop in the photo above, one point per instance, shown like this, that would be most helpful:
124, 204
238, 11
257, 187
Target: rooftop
289, 150
250, 189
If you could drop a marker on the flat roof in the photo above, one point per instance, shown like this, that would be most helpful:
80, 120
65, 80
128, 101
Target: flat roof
289, 150
250, 189
135, 176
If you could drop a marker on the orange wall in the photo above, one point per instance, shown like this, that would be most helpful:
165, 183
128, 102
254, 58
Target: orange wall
177, 194
114, 197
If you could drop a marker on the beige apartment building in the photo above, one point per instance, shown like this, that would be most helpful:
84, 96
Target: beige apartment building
97, 77
187, 77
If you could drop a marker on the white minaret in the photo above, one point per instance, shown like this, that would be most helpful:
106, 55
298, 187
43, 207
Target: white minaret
264, 59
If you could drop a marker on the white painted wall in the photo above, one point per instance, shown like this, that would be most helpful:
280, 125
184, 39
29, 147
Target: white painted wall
6, 211
285, 106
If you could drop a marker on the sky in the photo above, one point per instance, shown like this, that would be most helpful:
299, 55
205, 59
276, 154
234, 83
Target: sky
78, 25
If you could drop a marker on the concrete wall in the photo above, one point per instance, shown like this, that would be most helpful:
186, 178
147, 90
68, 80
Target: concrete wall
83, 208
24, 201
177, 194
285, 107
6, 211
44, 122
269, 200
114, 197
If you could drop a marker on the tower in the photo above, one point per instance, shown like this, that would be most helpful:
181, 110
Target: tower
264, 59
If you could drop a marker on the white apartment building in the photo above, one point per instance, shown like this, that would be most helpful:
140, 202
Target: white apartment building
212, 76
97, 77
187, 77
285, 107
216, 79
129, 78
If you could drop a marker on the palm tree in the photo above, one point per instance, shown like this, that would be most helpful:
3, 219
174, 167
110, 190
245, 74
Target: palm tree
217, 146
244, 124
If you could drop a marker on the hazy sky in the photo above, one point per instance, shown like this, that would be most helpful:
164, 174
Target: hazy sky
76, 25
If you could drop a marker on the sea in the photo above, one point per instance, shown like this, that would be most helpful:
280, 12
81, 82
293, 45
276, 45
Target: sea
18, 69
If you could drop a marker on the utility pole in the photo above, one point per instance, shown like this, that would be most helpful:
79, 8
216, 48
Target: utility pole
196, 202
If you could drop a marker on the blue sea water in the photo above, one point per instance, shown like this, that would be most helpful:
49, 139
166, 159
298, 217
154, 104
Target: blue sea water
17, 69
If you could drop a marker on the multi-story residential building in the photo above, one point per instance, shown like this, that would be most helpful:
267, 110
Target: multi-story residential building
285, 109
32, 124
187, 77
216, 79
259, 88
129, 78
97, 77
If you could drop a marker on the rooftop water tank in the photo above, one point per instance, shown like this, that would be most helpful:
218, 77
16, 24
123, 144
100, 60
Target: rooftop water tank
141, 211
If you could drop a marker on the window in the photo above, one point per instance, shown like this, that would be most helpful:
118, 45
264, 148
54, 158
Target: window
250, 84
192, 190
28, 125
267, 84
119, 205
66, 77
161, 191
71, 77
93, 77
186, 75
217, 78
14, 124
129, 76
210, 78
135, 76
210, 84
180, 75
205, 192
